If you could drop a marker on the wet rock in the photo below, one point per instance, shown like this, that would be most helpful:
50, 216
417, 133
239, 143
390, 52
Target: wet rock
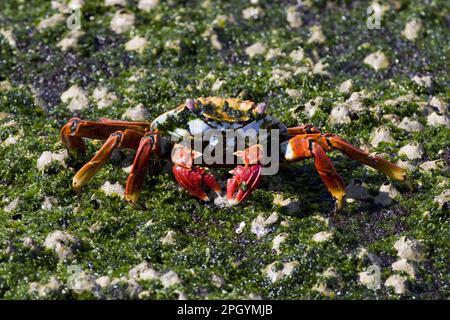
406, 165
47, 157
424, 81
240, 228
439, 104
356, 190
252, 13
138, 113
51, 21
260, 224
71, 40
103, 282
75, 4
439, 165
322, 236
112, 3
122, 21
217, 85
412, 151
13, 205
169, 238
31, 245
316, 35
280, 76
144, 272
104, 98
411, 249
48, 203
339, 115
346, 86
371, 277
148, 5
436, 120
297, 55
406, 266
356, 102
82, 282
217, 281
62, 243
76, 98
293, 93
277, 271
7, 33
377, 60
443, 200
137, 44
411, 125
170, 279
320, 68
367, 257
412, 29
273, 53
398, 283
255, 49
115, 189
278, 240
293, 17
5, 86
313, 105
290, 205
386, 195
323, 289
133, 289
52, 287
404, 98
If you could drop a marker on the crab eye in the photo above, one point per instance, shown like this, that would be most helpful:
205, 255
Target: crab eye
261, 108
190, 104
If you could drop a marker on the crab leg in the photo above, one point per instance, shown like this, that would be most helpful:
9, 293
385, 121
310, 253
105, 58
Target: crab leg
127, 139
75, 129
307, 128
330, 142
148, 145
299, 148
244, 181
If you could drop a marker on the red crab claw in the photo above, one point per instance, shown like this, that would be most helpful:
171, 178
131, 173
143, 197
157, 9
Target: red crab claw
243, 182
193, 180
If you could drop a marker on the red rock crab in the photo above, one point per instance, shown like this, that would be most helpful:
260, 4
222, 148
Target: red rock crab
155, 141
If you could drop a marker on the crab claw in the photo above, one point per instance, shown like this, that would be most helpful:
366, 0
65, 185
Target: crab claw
243, 182
193, 180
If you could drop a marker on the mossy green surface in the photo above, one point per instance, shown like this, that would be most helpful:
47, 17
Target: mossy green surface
206, 242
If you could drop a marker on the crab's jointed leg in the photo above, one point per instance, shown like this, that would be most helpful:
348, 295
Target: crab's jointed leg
300, 148
148, 145
76, 129
120, 139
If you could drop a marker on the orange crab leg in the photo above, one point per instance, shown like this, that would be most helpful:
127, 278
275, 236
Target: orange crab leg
329, 142
127, 139
244, 181
299, 148
75, 129
148, 144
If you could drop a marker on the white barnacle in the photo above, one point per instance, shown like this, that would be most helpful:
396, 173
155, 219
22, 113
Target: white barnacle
197, 126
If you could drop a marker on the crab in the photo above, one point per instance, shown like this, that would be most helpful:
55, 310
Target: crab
160, 140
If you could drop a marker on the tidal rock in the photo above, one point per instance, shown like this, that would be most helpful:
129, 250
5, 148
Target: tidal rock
144, 272
277, 271
386, 195
406, 266
82, 282
252, 13
71, 40
115, 189
424, 81
122, 21
316, 35
278, 240
435, 120
346, 86
381, 134
398, 283
169, 238
322, 236
170, 279
47, 157
411, 249
147, 5
51, 21
137, 44
293, 17
290, 205
439, 165
371, 277
62, 243
13, 205
377, 60
48, 203
138, 113
104, 98
255, 49
7, 33
412, 29
443, 200
260, 224
340, 115
356, 190
112, 3
412, 151
411, 125
76, 98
